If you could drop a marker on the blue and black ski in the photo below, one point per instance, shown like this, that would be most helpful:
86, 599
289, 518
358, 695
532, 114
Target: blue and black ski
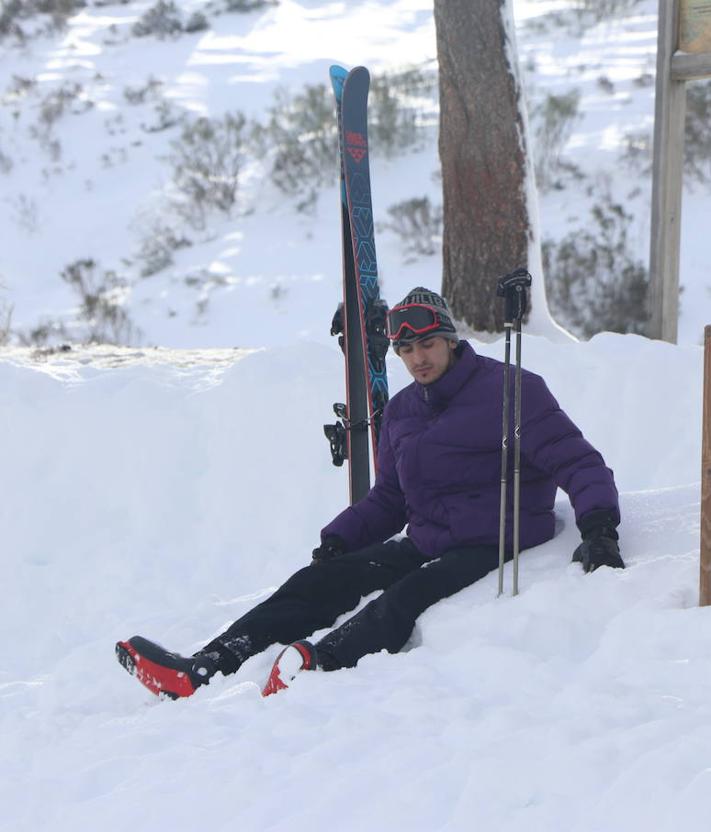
360, 319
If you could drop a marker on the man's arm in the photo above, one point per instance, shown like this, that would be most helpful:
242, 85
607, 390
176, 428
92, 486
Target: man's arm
552, 442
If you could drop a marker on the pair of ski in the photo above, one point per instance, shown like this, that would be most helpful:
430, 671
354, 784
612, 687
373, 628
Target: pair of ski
360, 319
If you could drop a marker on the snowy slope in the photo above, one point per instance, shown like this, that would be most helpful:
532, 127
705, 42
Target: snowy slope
110, 188
158, 493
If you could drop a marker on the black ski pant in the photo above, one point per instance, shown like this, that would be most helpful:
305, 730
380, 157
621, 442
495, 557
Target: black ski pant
316, 595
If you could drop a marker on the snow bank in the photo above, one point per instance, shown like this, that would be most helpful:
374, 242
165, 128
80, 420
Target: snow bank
145, 493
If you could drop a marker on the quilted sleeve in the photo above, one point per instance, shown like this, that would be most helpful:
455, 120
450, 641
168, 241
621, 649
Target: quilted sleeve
553, 443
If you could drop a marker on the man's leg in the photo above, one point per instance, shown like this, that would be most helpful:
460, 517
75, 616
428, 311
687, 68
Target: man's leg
387, 622
313, 598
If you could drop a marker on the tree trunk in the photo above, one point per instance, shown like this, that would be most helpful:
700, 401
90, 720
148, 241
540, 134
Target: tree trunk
483, 153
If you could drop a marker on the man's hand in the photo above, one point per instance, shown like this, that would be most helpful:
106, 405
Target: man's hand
331, 546
599, 546
601, 551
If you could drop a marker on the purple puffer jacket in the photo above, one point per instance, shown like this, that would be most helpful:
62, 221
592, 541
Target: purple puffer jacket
439, 464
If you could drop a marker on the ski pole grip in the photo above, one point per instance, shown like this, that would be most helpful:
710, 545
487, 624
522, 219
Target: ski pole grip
513, 288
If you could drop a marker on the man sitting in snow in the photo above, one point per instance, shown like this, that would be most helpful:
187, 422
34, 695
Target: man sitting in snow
439, 472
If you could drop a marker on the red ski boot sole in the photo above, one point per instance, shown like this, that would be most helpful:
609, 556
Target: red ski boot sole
162, 672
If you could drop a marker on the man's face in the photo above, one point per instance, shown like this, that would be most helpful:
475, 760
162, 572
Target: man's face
429, 359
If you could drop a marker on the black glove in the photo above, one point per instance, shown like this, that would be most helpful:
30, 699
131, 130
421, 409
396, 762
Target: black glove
599, 546
331, 546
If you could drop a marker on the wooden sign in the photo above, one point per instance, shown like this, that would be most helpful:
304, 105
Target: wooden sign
683, 54
695, 26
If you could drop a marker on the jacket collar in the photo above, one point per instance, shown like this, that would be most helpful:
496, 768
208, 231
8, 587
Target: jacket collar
441, 392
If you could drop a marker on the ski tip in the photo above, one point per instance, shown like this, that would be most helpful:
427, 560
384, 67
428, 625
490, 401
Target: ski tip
358, 79
337, 69
360, 71
338, 75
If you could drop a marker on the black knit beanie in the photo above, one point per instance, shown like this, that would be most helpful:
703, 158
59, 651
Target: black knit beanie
446, 329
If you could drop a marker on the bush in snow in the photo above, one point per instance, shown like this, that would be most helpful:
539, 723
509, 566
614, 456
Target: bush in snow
5, 162
60, 9
5, 323
26, 213
206, 160
14, 11
593, 281
605, 84
101, 315
20, 87
396, 110
300, 141
45, 333
644, 79
11, 13
157, 248
149, 91
418, 224
553, 119
197, 22
602, 9
167, 115
69, 97
300, 136
637, 151
697, 152
580, 15
163, 20
247, 5
638, 145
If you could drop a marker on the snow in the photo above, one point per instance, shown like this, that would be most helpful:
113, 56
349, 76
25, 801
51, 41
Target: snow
110, 187
164, 493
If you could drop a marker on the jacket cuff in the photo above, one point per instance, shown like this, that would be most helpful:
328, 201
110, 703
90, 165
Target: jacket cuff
334, 541
599, 523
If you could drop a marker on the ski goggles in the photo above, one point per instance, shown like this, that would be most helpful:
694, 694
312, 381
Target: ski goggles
414, 319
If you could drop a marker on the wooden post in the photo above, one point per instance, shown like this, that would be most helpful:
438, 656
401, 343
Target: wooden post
668, 169
705, 583
683, 54
690, 67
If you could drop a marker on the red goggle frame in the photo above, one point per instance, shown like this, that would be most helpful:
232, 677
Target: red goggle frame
418, 318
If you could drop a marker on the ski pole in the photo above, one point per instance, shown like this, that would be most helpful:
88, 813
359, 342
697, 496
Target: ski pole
513, 288
504, 457
517, 458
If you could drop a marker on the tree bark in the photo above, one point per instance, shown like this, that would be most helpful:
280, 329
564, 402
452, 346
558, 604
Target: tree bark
483, 154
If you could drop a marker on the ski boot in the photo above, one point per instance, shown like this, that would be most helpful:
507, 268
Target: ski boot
301, 655
162, 672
